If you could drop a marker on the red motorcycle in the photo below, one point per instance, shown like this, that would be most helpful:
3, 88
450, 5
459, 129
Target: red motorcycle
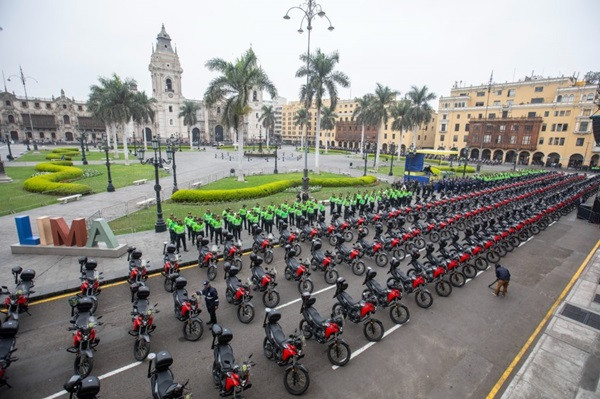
229, 377
232, 252
187, 310
208, 258
84, 337
18, 301
8, 331
170, 269
143, 323
323, 262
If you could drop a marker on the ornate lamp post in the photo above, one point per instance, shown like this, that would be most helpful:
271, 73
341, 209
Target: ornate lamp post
275, 171
391, 160
23, 80
172, 145
310, 9
82, 138
10, 155
158, 162
110, 188
465, 160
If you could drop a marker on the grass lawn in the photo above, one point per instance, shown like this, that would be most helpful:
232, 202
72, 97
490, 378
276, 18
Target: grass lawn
92, 155
322, 151
145, 219
231, 183
14, 199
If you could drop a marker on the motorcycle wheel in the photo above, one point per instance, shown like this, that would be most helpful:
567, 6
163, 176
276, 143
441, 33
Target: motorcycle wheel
501, 251
365, 228
373, 330
469, 271
492, 257
245, 313
216, 374
443, 288
268, 257
83, 367
238, 262
332, 240
287, 273
267, 349
399, 253
305, 328
338, 310
481, 263
348, 236
359, 268
306, 286
141, 349
381, 259
411, 273
271, 299
535, 230
168, 284
410, 218
420, 243
457, 279
424, 299
211, 273
338, 258
399, 314
460, 226
339, 353
434, 236
515, 241
193, 330
228, 296
445, 234
298, 249
409, 247
508, 246
296, 380
331, 276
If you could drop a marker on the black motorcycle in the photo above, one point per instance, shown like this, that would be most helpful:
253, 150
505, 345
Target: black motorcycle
8, 332
263, 280
238, 294
187, 310
229, 377
17, 301
143, 323
84, 337
162, 381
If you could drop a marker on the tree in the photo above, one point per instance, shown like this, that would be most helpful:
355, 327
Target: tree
328, 118
113, 102
421, 111
144, 110
400, 111
189, 114
322, 79
379, 109
592, 77
233, 88
302, 118
267, 117
363, 116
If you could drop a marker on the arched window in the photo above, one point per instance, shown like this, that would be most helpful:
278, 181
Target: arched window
11, 119
558, 98
8, 103
218, 110
254, 96
169, 85
66, 120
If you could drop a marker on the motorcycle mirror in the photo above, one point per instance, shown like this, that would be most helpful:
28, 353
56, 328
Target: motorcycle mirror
98, 317
151, 356
199, 293
250, 357
156, 304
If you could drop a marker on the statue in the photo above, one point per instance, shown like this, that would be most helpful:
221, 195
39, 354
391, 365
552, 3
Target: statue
3, 177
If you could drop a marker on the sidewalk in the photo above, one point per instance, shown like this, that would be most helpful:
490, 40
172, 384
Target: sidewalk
565, 362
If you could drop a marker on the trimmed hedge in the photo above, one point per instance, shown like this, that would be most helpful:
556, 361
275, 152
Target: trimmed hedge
62, 154
266, 189
52, 183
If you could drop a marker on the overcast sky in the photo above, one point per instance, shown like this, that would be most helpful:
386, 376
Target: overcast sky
68, 44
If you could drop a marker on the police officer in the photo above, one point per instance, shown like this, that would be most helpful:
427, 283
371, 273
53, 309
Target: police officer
212, 301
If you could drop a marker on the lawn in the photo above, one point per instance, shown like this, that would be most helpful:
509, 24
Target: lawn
322, 151
231, 183
94, 154
14, 199
145, 219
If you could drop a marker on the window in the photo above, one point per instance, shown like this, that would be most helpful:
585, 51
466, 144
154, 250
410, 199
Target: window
254, 96
443, 128
41, 135
23, 104
531, 114
455, 138
169, 85
509, 103
467, 127
583, 126
502, 128
418, 137
442, 137
487, 138
559, 99
546, 113
526, 140
497, 102
492, 115
66, 120
170, 108
541, 141
511, 93
499, 92
393, 136
171, 122
568, 112
480, 116
445, 105
444, 116
458, 116
468, 116
456, 127
219, 110
498, 139
590, 97
562, 141
559, 127
479, 104
37, 105
385, 136
586, 112
539, 89
544, 127
513, 139
561, 113
550, 141
462, 95
64, 106
257, 115
537, 100
480, 93
579, 142
528, 128
553, 129
8, 103
514, 128
555, 113
386, 126
11, 119
79, 108
464, 139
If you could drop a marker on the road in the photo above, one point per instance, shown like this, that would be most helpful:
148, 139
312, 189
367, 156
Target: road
458, 348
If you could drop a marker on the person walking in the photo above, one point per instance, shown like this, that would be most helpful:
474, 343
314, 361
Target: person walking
211, 298
503, 276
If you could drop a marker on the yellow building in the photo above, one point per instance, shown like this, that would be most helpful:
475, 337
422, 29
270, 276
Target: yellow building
292, 134
543, 121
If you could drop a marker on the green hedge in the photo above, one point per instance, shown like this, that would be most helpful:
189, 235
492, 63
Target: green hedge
62, 154
71, 151
266, 189
52, 183
58, 157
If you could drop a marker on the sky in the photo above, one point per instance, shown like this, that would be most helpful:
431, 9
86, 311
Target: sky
69, 44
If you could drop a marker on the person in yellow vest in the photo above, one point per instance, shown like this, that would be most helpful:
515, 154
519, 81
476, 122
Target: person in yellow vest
188, 224
180, 232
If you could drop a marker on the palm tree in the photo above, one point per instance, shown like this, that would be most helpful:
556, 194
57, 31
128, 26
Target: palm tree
421, 111
144, 111
322, 78
233, 88
302, 118
113, 102
384, 97
363, 116
328, 118
188, 112
267, 117
400, 111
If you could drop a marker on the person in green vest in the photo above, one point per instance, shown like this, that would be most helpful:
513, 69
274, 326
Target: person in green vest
218, 229
332, 202
268, 218
253, 219
198, 230
285, 214
188, 224
271, 207
207, 219
244, 215
170, 222
224, 215
346, 203
229, 221
310, 211
322, 209
236, 221
179, 228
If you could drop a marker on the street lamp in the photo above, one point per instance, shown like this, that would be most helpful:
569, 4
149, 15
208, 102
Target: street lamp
515, 162
365, 152
82, 138
275, 171
172, 145
391, 159
23, 80
158, 162
110, 188
310, 9
10, 155
466, 160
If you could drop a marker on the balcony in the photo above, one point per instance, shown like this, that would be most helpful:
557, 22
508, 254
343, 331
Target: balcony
582, 132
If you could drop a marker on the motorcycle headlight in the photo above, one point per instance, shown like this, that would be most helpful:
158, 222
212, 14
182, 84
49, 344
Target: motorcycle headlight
244, 368
90, 325
19, 292
149, 312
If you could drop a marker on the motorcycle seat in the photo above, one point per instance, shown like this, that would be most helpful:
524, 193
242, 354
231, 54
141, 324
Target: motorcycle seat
225, 357
164, 381
6, 344
315, 317
319, 256
233, 283
180, 296
25, 286
141, 306
82, 319
348, 300
294, 264
377, 287
343, 250
258, 272
277, 335
90, 275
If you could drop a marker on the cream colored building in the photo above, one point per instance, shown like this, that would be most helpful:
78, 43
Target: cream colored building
538, 120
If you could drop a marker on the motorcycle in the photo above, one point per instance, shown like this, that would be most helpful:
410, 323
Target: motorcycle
84, 337
171, 266
8, 332
90, 280
286, 352
339, 232
455, 276
290, 238
187, 310
433, 274
262, 244
325, 331
323, 262
162, 381
208, 258
358, 311
230, 378
298, 271
413, 284
143, 323
372, 249
238, 294
349, 256
463, 259
82, 387
232, 252
264, 281
386, 298
18, 302
308, 232
138, 270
